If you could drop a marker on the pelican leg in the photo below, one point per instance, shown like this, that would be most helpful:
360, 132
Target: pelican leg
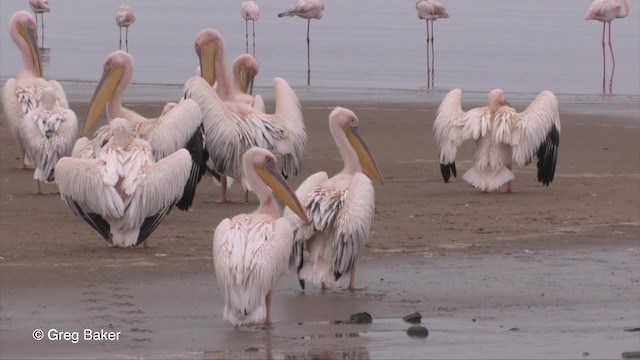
352, 277
267, 300
223, 190
509, 190
38, 189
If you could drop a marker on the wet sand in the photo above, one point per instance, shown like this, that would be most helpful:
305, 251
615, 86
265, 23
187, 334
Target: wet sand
541, 273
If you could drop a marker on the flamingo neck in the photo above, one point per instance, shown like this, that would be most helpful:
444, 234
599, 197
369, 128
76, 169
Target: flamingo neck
625, 9
347, 152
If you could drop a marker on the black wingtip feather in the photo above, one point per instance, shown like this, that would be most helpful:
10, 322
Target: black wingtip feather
447, 170
548, 157
199, 157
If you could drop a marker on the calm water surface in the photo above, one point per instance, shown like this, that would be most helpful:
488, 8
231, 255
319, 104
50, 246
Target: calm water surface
521, 46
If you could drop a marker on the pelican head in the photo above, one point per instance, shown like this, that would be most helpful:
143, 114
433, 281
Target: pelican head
209, 44
348, 122
247, 67
118, 64
497, 99
263, 162
23, 29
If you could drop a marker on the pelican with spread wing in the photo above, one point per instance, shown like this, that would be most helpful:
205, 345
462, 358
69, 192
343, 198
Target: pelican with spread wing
179, 126
340, 209
251, 251
123, 193
21, 94
502, 137
50, 131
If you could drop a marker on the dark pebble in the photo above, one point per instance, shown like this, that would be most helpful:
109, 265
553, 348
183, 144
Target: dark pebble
418, 331
252, 349
414, 318
585, 354
631, 355
632, 329
361, 318
514, 329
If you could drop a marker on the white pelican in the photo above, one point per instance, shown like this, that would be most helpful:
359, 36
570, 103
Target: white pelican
340, 208
20, 94
124, 19
306, 9
123, 194
180, 125
233, 128
40, 7
250, 12
251, 251
502, 136
430, 11
245, 68
50, 131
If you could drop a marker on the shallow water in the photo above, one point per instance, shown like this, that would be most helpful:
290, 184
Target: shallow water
520, 46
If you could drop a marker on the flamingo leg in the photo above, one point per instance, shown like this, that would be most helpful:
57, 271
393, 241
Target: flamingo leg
604, 60
253, 24
267, 300
613, 60
120, 46
42, 18
308, 54
246, 35
126, 38
428, 57
433, 58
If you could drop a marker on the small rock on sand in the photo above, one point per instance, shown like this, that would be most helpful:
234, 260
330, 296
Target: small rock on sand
414, 318
360, 318
631, 355
418, 331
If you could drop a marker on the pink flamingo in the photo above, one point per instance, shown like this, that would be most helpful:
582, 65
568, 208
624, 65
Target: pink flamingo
430, 11
306, 9
40, 7
250, 11
124, 19
606, 11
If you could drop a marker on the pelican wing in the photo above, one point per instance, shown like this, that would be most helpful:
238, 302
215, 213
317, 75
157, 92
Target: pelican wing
45, 149
62, 97
289, 113
180, 126
533, 132
352, 223
250, 253
12, 108
154, 188
88, 188
301, 230
453, 127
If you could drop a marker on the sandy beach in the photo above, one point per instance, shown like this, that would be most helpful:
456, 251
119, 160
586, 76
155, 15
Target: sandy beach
544, 272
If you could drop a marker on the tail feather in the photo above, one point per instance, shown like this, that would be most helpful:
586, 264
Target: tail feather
488, 179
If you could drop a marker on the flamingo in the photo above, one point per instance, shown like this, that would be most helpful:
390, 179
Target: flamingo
430, 11
250, 12
124, 19
232, 126
40, 7
340, 208
50, 131
180, 125
251, 251
21, 94
306, 9
123, 193
606, 11
502, 137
